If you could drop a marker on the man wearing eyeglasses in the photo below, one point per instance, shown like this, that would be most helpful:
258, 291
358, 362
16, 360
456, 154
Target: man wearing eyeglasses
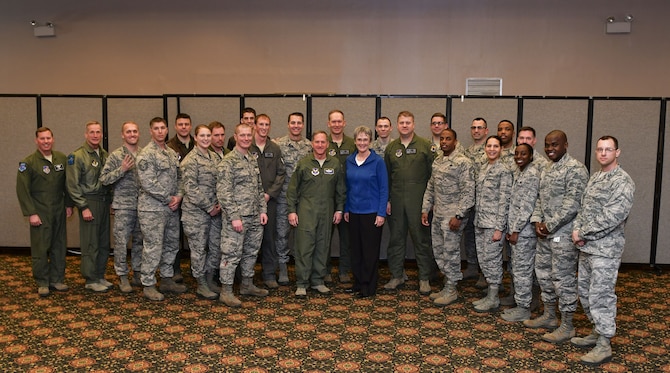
479, 131
598, 233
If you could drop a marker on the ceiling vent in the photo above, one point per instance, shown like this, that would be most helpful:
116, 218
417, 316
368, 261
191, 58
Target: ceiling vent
483, 86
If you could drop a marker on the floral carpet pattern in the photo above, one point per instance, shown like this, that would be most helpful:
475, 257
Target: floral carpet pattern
402, 331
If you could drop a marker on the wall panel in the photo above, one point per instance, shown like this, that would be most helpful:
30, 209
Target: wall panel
19, 114
663, 244
278, 109
626, 120
422, 108
138, 110
358, 111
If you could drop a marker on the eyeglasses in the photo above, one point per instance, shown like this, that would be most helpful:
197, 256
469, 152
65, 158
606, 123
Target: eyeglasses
436, 123
478, 128
606, 150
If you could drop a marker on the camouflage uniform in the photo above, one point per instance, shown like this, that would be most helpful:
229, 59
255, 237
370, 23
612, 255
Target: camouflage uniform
478, 158
409, 169
378, 147
40, 187
606, 204
240, 193
450, 193
491, 207
292, 152
273, 172
561, 186
202, 230
315, 192
160, 179
87, 192
341, 152
126, 189
540, 161
507, 157
522, 202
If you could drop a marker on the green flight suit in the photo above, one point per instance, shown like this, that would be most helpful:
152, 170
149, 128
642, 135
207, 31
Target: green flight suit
87, 191
315, 192
409, 169
341, 152
40, 188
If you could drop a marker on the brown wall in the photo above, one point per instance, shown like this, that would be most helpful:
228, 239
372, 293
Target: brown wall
538, 47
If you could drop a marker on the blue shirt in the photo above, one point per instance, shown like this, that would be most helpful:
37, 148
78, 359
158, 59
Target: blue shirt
367, 185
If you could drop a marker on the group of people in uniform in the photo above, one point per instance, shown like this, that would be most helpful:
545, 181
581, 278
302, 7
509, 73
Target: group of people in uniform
562, 231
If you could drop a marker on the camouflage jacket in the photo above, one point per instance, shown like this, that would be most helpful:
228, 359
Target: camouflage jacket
126, 185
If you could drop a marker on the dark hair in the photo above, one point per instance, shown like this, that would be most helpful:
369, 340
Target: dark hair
527, 128
608, 137
452, 131
494, 137
216, 124
530, 149
482, 119
438, 114
297, 114
248, 110
182, 116
157, 120
44, 129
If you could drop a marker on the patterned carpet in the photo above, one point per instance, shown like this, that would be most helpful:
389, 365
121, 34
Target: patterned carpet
392, 332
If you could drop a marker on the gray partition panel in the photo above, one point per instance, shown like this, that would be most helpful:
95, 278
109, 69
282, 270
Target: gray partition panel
663, 244
67, 117
358, 111
570, 116
463, 111
278, 109
627, 120
138, 110
19, 114
204, 110
422, 108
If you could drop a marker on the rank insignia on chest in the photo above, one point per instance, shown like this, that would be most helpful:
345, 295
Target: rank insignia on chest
410, 151
398, 153
46, 169
70, 159
332, 152
59, 167
315, 171
328, 171
94, 163
22, 166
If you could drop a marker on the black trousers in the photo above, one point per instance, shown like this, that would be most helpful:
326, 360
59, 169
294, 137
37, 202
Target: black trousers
365, 245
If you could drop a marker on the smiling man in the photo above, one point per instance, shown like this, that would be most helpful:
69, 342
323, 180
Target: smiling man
561, 187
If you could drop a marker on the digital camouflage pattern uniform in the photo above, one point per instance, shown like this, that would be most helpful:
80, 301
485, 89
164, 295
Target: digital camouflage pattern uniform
341, 152
315, 192
491, 207
409, 169
523, 196
126, 190
87, 191
378, 147
203, 231
450, 192
40, 188
240, 193
606, 203
292, 152
562, 184
478, 158
160, 180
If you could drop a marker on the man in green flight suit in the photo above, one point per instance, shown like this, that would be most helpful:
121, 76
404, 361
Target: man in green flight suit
92, 199
409, 162
40, 187
315, 196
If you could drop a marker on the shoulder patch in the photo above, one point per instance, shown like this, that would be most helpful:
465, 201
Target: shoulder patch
70, 159
22, 166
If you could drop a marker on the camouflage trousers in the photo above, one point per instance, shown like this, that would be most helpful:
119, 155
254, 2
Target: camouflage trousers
127, 225
556, 271
161, 243
283, 230
597, 279
240, 248
447, 248
203, 232
489, 253
469, 241
523, 269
